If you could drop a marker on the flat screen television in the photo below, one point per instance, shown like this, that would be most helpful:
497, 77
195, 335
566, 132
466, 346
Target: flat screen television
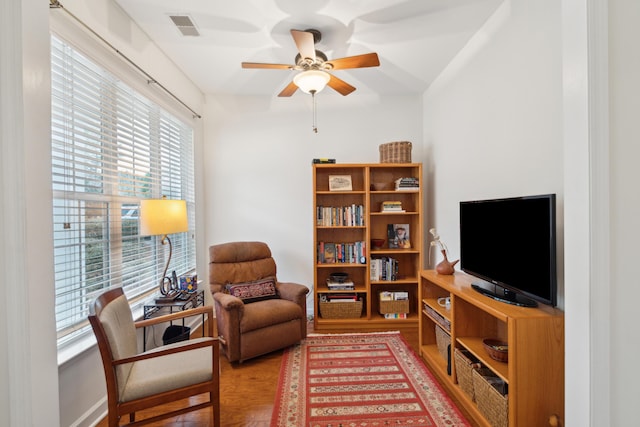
510, 244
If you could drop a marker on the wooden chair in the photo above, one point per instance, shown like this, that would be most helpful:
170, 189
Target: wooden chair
141, 380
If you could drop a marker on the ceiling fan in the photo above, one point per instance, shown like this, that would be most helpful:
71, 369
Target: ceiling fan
314, 66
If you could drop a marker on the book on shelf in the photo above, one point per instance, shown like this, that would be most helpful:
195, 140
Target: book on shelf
386, 296
398, 236
342, 297
407, 184
339, 297
396, 316
347, 285
391, 206
329, 253
439, 318
323, 160
394, 296
401, 296
342, 288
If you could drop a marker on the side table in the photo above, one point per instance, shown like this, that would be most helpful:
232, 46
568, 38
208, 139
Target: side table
191, 300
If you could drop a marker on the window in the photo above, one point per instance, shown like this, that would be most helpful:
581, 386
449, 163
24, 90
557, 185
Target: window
111, 147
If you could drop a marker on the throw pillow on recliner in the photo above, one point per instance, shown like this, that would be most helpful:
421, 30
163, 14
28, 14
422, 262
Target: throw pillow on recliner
258, 290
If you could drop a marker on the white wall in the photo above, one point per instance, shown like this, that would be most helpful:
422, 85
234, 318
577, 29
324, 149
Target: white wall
624, 328
258, 183
493, 118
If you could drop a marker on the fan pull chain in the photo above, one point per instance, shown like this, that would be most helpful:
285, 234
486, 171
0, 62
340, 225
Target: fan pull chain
313, 96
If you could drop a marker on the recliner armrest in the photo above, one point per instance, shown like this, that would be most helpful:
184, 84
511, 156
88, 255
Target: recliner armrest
228, 302
296, 293
229, 312
293, 292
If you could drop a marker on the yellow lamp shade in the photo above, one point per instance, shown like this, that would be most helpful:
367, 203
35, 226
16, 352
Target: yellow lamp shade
163, 216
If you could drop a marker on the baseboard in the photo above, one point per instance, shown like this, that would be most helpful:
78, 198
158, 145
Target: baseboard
93, 416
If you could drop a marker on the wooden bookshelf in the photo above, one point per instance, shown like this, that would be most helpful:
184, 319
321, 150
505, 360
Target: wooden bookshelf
371, 185
534, 371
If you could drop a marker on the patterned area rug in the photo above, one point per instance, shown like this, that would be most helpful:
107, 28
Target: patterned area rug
359, 380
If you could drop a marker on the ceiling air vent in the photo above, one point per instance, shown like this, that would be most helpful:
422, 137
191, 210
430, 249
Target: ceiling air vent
185, 25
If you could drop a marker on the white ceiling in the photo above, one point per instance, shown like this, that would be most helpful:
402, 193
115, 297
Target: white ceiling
414, 39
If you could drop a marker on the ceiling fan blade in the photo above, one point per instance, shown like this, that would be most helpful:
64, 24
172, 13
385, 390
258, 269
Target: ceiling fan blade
358, 61
261, 65
305, 44
340, 86
289, 90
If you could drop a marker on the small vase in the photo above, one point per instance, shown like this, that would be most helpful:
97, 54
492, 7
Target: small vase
445, 266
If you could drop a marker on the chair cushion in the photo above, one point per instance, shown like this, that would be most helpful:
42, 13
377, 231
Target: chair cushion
117, 321
164, 373
267, 313
258, 290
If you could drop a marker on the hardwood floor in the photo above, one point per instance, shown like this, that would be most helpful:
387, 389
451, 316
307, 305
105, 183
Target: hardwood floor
247, 393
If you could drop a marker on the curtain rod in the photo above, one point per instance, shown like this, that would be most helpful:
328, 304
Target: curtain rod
55, 4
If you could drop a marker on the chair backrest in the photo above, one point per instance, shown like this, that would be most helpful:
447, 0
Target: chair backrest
239, 262
113, 325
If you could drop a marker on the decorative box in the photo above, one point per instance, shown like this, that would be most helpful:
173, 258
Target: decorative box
189, 283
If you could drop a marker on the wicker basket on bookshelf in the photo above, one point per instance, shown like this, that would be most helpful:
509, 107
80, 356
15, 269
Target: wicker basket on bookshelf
443, 340
465, 365
395, 152
491, 403
388, 307
340, 310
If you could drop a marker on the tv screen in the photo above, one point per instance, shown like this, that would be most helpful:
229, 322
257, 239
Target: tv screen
511, 244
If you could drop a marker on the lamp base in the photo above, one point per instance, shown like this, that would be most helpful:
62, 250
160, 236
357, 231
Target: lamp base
170, 297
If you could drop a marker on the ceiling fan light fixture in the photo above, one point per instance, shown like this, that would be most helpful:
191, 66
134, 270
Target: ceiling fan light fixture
311, 81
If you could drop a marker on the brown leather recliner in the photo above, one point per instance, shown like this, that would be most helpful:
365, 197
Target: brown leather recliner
250, 329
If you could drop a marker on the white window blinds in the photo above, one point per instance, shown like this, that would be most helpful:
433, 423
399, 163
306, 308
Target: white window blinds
111, 147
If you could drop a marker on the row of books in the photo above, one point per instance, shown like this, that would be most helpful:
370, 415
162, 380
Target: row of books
383, 269
351, 253
391, 206
396, 315
332, 216
407, 184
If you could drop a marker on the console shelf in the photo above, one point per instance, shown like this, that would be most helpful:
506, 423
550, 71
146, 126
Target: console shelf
534, 372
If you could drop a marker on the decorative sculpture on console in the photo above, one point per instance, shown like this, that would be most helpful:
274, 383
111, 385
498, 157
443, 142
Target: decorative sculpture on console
445, 266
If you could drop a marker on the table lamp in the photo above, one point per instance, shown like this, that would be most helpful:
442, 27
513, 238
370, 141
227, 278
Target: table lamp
163, 217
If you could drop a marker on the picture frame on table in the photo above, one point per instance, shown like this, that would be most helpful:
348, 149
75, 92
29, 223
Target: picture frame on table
340, 183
